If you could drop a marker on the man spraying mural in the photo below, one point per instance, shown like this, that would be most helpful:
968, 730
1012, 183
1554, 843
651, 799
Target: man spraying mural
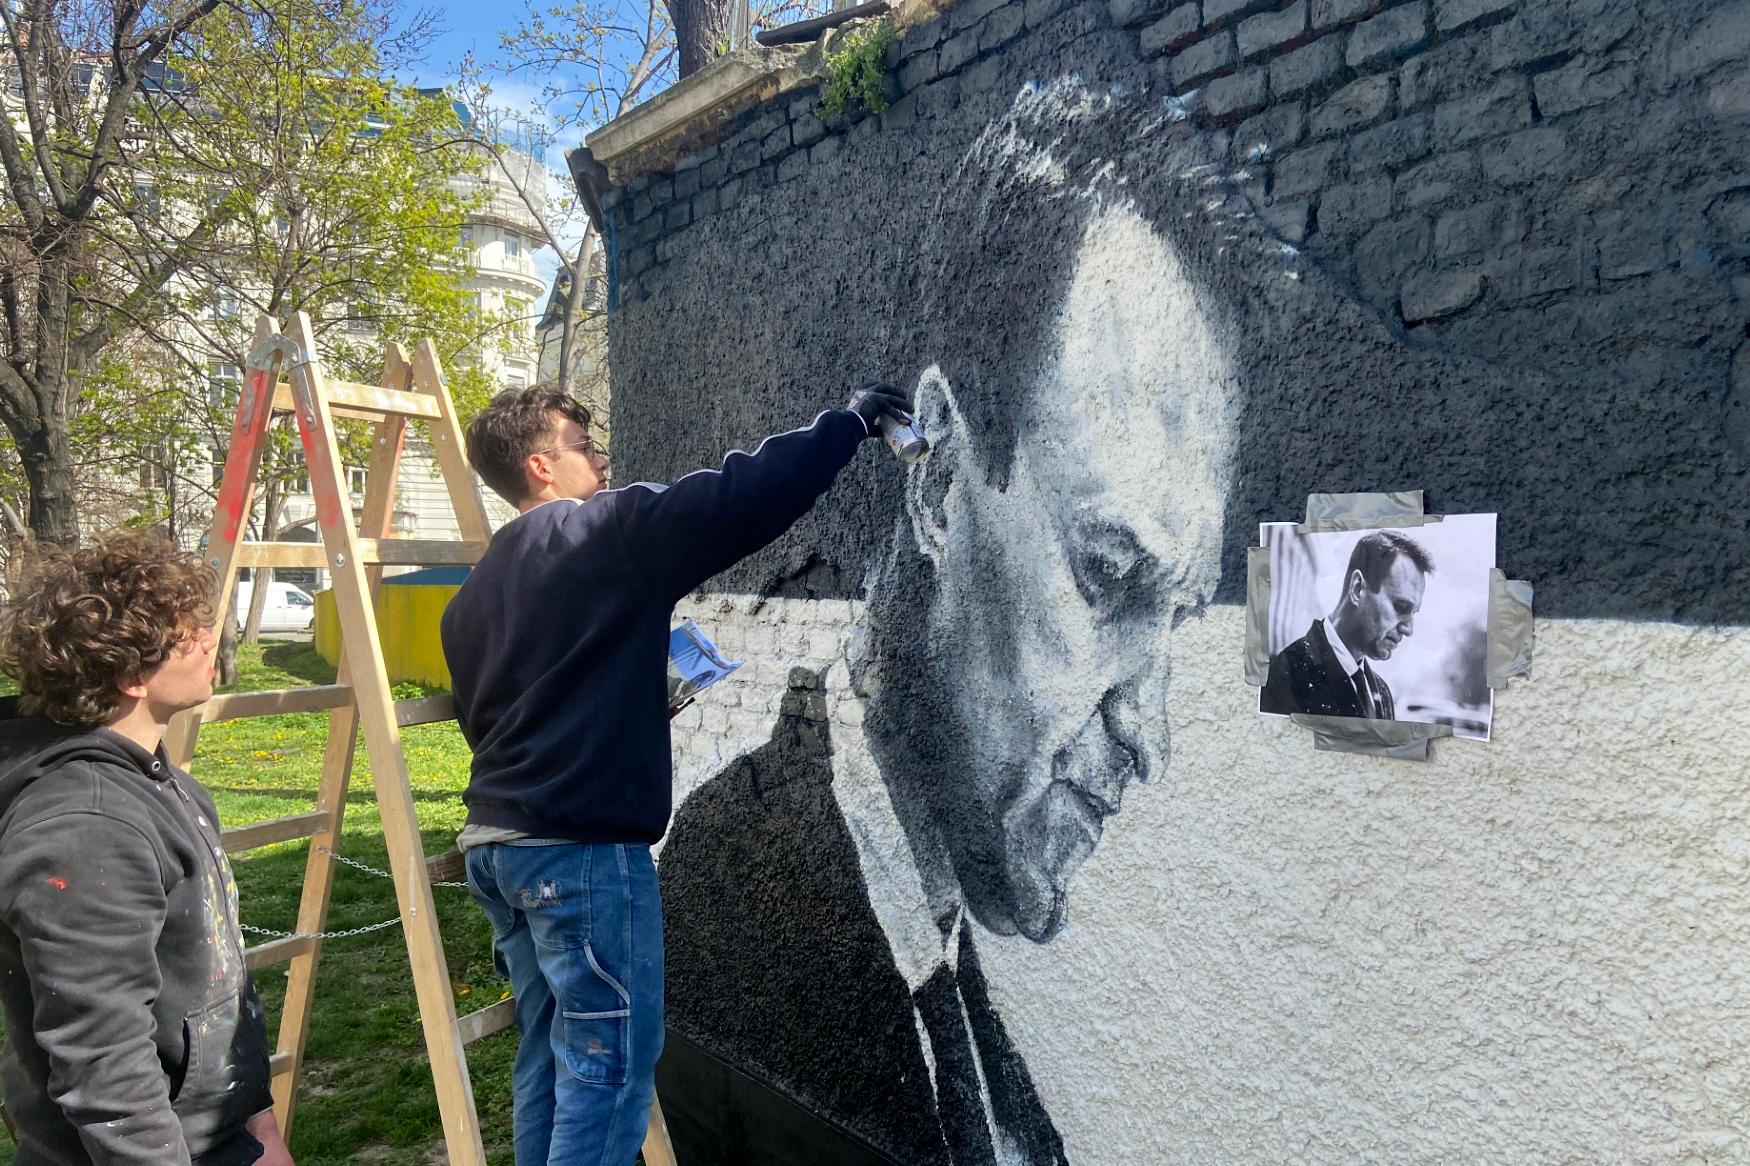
558, 648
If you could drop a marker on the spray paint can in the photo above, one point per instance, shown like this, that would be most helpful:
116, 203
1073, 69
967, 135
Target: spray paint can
905, 436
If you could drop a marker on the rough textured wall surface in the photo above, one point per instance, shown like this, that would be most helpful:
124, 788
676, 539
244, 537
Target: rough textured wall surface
986, 857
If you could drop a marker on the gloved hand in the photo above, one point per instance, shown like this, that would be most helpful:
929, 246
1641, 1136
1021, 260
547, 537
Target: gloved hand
877, 399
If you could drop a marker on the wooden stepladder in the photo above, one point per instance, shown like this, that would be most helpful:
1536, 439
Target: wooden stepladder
361, 695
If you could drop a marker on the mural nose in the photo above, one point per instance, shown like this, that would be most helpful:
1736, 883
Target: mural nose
1122, 721
1105, 755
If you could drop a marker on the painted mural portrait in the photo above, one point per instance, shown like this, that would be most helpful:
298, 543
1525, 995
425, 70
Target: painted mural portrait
1070, 514
1018, 874
1014, 658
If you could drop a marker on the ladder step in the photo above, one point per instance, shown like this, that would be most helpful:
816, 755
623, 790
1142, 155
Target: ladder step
265, 955
449, 867
282, 555
366, 402
257, 834
279, 1064
413, 552
387, 552
310, 699
418, 710
493, 1018
425, 710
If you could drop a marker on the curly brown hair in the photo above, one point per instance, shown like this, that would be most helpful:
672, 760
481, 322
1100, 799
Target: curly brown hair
88, 621
515, 424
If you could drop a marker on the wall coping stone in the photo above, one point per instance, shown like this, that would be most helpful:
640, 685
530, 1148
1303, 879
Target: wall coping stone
690, 114
680, 118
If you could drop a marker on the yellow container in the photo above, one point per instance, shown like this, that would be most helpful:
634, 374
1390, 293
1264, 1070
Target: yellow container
407, 621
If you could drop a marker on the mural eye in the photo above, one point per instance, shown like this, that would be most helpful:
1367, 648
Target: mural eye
1114, 576
1097, 576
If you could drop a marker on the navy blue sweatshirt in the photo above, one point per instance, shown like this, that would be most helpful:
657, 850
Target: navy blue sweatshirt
558, 642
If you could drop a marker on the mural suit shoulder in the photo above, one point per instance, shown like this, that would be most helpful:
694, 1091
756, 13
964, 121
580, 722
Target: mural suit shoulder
771, 941
921, 1069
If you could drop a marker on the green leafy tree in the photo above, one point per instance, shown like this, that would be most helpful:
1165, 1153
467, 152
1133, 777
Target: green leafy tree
76, 72
350, 193
166, 183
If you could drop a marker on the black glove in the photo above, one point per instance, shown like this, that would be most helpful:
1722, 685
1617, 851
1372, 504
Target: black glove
877, 399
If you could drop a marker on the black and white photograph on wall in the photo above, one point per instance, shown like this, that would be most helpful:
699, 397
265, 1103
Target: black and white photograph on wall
1385, 624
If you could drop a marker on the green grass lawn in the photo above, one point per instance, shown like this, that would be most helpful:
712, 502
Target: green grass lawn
366, 1093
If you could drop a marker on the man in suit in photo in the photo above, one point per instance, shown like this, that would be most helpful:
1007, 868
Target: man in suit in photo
1326, 673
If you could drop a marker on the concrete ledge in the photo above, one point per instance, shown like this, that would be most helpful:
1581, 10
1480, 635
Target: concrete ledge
679, 118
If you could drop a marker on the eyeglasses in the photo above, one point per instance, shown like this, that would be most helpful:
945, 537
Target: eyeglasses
587, 446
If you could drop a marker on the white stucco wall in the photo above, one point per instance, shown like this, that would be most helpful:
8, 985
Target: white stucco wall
1523, 952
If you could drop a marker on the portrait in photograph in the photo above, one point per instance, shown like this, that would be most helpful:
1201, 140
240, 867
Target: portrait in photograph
1387, 624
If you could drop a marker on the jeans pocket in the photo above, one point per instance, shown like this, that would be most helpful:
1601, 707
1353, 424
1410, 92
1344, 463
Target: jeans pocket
597, 1011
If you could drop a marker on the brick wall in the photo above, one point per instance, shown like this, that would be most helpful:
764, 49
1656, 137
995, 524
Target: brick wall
1456, 159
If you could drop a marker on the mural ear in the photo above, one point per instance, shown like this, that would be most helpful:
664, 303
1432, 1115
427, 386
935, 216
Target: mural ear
927, 482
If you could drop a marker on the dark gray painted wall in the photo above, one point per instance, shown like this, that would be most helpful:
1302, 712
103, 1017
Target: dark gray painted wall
1493, 249
1523, 225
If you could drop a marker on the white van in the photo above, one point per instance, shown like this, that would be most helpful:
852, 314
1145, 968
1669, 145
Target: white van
289, 608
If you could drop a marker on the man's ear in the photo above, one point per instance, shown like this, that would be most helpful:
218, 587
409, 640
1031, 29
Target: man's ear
928, 481
1353, 588
538, 472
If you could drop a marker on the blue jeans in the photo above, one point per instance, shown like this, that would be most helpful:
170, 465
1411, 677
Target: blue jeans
578, 929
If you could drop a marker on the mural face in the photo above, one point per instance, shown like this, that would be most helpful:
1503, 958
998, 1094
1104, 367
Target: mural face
1060, 587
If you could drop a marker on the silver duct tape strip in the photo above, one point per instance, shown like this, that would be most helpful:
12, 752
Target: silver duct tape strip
1257, 615
1511, 635
1327, 512
1404, 740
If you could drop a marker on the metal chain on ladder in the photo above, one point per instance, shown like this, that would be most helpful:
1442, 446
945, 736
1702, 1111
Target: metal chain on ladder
366, 929
382, 874
268, 931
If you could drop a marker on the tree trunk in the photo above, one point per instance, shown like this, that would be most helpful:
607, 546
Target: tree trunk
47, 455
263, 575
257, 605
701, 31
228, 644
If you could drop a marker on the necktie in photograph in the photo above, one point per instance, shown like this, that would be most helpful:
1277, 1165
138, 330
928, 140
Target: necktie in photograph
1364, 691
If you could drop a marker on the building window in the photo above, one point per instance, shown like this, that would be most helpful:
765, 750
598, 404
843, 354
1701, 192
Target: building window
155, 468
513, 246
355, 479
223, 385
147, 200
226, 303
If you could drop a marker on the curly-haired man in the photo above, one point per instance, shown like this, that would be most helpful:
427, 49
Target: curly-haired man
133, 1031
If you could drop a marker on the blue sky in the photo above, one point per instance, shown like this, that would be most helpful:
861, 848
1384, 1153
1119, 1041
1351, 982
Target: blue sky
468, 24
471, 25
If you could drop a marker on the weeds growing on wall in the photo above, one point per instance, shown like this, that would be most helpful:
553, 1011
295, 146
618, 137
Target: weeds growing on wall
855, 74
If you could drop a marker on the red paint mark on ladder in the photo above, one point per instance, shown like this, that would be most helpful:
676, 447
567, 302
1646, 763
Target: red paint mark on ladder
253, 406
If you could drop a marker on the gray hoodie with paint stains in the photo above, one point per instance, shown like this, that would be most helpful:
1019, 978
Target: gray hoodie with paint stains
133, 1032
